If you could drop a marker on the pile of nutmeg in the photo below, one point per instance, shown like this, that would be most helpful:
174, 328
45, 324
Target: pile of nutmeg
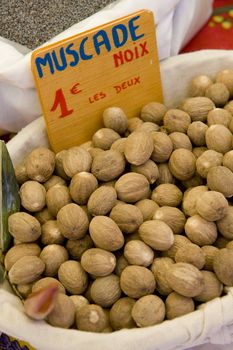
134, 226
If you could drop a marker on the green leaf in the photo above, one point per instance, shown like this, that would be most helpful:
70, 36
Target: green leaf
2, 273
9, 196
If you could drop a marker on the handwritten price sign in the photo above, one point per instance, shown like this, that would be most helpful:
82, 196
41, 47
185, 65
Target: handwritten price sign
112, 65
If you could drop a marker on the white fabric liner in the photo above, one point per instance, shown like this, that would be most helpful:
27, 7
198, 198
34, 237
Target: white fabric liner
212, 324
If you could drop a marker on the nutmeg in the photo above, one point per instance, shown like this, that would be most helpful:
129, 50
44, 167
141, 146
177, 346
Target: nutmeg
196, 132
198, 107
138, 253
199, 84
180, 140
105, 233
46, 282
108, 165
157, 234
192, 254
159, 268
54, 180
91, 318
132, 187
98, 262
51, 233
102, 200
173, 217
40, 164
207, 160
59, 169
114, 118
26, 270
190, 199
153, 112
212, 205
63, 314
147, 207
212, 287
219, 138
226, 77
32, 195
162, 147
76, 160
228, 160
24, 227
200, 231
53, 255
178, 305
121, 314
209, 253
218, 93
148, 311
127, 216
222, 266
72, 221
56, 198
225, 224
73, 277
82, 185
105, 291
165, 175
220, 179
149, 169
219, 116
18, 251
77, 247
137, 281
176, 120
138, 147
167, 195
182, 164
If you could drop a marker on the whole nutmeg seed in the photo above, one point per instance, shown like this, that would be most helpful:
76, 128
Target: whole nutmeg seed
159, 268
24, 227
157, 234
132, 187
148, 311
63, 314
212, 287
91, 318
195, 181
178, 305
173, 217
138, 253
51, 233
190, 199
198, 151
32, 195
199, 84
114, 118
162, 147
198, 107
153, 112
219, 138
167, 195
102, 200
196, 133
77, 247
182, 164
137, 281
127, 216
104, 138
222, 266
225, 224
121, 264
56, 198
72, 221
219, 116
176, 120
208, 160
121, 314
40, 164
191, 254
185, 279
21, 173
218, 93
73, 277
53, 255
59, 169
148, 127
76, 160
98, 262
134, 124
200, 231
26, 270
212, 205
108, 165
105, 291
220, 179
226, 77
180, 140
138, 147
82, 185
20, 250
105, 233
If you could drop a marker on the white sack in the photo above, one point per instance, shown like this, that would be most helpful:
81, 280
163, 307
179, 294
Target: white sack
177, 22
212, 324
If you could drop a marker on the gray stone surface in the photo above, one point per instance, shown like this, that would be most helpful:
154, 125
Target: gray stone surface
33, 22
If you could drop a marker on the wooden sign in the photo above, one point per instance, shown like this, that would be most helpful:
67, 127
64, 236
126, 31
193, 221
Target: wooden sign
115, 64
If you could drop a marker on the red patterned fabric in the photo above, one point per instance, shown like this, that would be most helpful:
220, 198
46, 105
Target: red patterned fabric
218, 32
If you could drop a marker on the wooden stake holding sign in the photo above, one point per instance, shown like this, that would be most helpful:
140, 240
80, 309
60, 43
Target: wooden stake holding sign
112, 65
